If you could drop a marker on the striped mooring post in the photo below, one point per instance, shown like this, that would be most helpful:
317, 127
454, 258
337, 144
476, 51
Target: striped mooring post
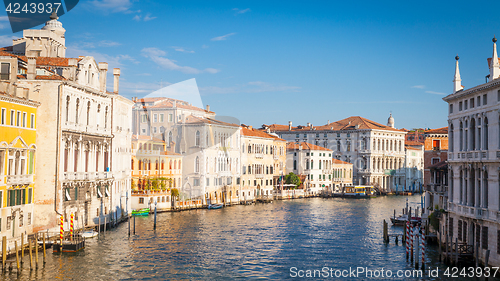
423, 249
61, 234
71, 226
407, 240
411, 243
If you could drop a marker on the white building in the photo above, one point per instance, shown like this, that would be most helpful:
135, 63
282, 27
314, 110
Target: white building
315, 162
473, 159
376, 151
413, 168
84, 144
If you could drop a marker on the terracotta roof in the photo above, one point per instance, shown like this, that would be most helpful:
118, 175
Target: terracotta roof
201, 120
49, 77
337, 161
413, 143
305, 146
350, 123
168, 103
257, 133
412, 148
443, 130
146, 138
439, 165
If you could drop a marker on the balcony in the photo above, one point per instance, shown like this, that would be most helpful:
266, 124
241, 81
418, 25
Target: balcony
259, 155
19, 179
259, 176
276, 157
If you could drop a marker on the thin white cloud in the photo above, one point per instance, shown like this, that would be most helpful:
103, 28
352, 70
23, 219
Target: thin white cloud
113, 6
249, 88
435, 93
223, 37
182, 50
6, 40
115, 61
418, 87
148, 17
137, 18
159, 57
238, 11
2, 19
204, 46
108, 43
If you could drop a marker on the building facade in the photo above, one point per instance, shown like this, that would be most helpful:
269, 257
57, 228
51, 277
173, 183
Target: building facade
18, 153
263, 160
376, 151
341, 174
82, 139
312, 162
473, 159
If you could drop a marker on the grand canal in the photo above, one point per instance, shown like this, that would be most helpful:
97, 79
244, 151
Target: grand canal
262, 241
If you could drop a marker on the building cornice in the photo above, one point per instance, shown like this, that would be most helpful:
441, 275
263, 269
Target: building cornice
479, 88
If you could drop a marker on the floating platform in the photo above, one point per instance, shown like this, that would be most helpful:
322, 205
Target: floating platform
69, 246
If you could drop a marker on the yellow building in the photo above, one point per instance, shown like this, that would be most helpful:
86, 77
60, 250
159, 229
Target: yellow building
17, 160
152, 165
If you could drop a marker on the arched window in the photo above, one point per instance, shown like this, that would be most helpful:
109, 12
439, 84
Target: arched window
106, 117
451, 133
249, 169
485, 190
295, 164
197, 165
132, 165
140, 165
140, 146
76, 111
170, 138
197, 139
461, 135
175, 164
88, 113
157, 167
338, 145
162, 164
472, 132
170, 165
67, 108
319, 165
485, 133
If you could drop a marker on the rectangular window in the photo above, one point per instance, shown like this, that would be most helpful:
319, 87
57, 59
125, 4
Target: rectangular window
155, 118
451, 109
67, 197
161, 117
208, 181
472, 103
1, 201
465, 105
144, 118
3, 116
154, 130
25, 120
3, 156
196, 182
5, 71
460, 106
485, 100
484, 239
12, 117
478, 100
30, 195
76, 193
498, 234
460, 230
141, 200
450, 227
436, 144
29, 218
170, 117
32, 121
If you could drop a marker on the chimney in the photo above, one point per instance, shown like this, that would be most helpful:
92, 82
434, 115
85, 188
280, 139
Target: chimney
250, 127
116, 74
268, 130
310, 126
31, 68
174, 104
103, 71
289, 125
208, 107
328, 122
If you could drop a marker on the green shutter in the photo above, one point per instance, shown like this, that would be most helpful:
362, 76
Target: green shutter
32, 159
23, 197
30, 195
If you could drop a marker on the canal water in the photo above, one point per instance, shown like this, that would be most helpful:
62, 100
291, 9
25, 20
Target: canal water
264, 241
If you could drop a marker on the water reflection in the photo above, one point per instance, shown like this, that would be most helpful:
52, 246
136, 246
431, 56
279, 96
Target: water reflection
250, 242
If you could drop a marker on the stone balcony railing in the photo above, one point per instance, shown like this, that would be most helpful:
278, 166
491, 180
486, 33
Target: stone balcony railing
86, 175
259, 176
19, 179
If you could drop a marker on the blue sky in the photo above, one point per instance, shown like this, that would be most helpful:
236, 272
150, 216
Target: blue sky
301, 61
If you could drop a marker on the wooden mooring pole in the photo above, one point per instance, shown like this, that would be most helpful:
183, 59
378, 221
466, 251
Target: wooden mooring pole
104, 225
99, 231
456, 251
4, 252
44, 257
36, 251
386, 237
17, 256
134, 225
129, 227
22, 247
487, 258
154, 227
31, 259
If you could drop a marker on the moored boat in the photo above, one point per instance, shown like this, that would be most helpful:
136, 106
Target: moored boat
360, 191
401, 220
215, 206
89, 234
141, 212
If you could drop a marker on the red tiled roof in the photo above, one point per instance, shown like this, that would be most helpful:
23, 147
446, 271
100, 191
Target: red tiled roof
257, 133
413, 143
201, 120
305, 146
412, 148
142, 137
443, 130
337, 161
49, 77
350, 123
